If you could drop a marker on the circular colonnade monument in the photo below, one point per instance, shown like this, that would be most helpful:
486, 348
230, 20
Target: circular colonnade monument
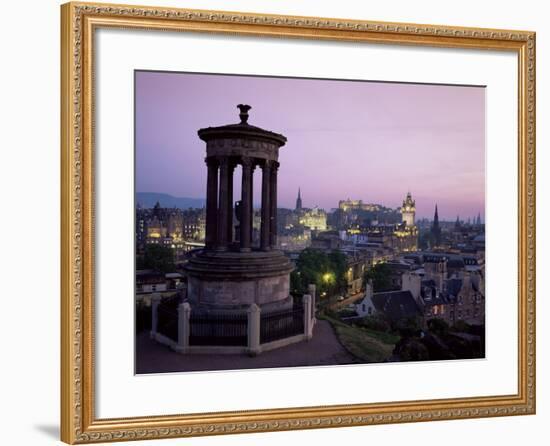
231, 273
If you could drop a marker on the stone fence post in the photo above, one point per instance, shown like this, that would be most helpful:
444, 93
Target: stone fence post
184, 314
155, 301
253, 330
311, 289
308, 317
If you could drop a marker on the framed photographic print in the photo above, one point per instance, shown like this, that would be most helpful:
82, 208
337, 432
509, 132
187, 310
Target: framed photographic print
275, 223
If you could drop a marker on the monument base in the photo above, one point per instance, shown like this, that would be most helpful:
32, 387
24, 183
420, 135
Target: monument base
232, 281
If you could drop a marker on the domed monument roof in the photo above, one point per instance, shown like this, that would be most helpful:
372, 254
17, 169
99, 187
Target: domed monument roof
241, 130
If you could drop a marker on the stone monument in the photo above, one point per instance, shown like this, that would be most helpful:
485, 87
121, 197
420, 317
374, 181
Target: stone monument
230, 274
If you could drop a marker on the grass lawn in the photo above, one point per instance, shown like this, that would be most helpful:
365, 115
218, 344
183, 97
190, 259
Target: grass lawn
366, 345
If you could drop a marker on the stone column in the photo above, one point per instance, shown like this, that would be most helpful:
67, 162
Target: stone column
231, 170
155, 302
273, 206
246, 204
184, 314
252, 200
211, 203
308, 319
223, 210
266, 207
253, 330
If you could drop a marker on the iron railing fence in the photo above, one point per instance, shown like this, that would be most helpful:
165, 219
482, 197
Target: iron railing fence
167, 319
218, 329
281, 324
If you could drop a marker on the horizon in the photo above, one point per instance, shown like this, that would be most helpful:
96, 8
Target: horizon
385, 139
257, 207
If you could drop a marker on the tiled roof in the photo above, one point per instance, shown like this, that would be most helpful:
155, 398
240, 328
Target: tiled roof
396, 304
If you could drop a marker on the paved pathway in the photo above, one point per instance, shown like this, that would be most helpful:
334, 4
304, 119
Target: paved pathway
323, 349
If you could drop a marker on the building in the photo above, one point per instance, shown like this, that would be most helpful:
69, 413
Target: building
294, 239
327, 241
397, 270
408, 211
357, 263
149, 281
178, 229
444, 286
299, 201
314, 219
393, 305
406, 234
461, 299
453, 288
359, 226
436, 230
357, 205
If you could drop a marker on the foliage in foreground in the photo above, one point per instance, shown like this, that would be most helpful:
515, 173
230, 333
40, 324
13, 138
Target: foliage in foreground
376, 339
325, 271
366, 345
439, 342
158, 258
380, 275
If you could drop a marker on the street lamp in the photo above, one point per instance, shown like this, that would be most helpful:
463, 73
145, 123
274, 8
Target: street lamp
328, 277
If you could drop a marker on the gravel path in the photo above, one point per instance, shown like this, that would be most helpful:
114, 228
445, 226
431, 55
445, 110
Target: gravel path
323, 349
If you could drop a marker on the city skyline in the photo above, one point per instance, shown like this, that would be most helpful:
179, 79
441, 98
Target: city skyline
384, 139
257, 207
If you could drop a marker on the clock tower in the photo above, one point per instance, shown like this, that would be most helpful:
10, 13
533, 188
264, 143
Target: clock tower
408, 210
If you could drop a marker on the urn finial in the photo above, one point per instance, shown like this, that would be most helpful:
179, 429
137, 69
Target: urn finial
243, 108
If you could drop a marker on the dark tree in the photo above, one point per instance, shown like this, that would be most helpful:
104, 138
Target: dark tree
438, 327
326, 271
338, 263
380, 274
411, 349
408, 327
158, 258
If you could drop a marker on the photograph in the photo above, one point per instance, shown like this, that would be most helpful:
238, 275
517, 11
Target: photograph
304, 222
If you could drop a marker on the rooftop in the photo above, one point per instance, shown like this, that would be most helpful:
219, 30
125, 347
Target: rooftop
396, 304
241, 129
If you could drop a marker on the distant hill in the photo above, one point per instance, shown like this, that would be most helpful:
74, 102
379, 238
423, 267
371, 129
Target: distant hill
149, 199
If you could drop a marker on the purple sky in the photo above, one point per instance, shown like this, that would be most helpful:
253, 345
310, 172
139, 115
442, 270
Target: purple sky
361, 140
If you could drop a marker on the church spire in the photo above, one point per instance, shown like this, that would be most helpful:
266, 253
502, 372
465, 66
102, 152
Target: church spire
436, 230
299, 200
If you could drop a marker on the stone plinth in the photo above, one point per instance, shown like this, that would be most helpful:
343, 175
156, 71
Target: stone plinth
234, 280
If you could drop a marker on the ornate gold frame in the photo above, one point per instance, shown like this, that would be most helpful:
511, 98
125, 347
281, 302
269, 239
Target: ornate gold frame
78, 423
